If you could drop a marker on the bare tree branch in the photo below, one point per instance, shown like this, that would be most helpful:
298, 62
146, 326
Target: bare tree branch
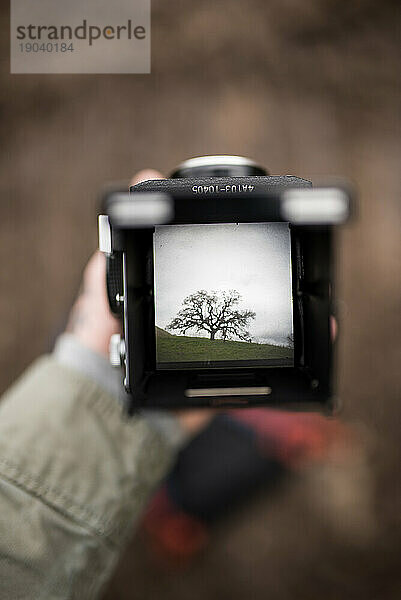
215, 313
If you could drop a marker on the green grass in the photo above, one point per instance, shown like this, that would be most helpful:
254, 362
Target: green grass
162, 333
174, 348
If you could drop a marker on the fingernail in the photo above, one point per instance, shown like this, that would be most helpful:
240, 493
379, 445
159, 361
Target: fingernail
144, 175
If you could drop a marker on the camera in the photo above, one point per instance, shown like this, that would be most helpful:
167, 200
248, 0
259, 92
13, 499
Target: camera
222, 276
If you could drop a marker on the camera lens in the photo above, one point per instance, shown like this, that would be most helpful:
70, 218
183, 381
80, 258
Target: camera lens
218, 166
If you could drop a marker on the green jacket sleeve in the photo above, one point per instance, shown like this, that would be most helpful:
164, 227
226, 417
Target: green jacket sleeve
74, 476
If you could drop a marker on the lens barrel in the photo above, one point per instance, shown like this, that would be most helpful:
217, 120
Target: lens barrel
218, 166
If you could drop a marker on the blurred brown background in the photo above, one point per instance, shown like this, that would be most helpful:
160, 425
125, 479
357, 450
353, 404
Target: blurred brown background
310, 88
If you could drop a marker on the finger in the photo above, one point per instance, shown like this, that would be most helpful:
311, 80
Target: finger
193, 420
144, 175
333, 328
95, 272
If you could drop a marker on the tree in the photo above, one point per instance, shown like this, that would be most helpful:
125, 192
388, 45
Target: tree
216, 313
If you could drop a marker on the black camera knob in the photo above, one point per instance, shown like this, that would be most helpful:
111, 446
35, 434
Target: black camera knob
218, 166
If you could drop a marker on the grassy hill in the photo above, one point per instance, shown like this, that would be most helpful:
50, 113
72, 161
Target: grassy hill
160, 333
174, 348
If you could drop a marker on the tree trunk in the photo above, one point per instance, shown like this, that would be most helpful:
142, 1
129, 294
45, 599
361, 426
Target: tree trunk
212, 334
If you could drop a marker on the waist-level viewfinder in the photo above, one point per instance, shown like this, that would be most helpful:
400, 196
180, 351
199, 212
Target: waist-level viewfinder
223, 278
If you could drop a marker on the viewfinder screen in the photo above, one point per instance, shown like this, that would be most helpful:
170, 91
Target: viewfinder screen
223, 295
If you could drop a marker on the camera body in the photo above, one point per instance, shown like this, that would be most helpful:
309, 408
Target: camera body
223, 278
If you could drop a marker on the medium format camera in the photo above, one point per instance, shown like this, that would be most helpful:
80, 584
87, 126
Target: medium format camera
223, 278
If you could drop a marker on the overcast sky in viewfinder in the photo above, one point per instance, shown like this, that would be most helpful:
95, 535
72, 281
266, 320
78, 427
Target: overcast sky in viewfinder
253, 259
